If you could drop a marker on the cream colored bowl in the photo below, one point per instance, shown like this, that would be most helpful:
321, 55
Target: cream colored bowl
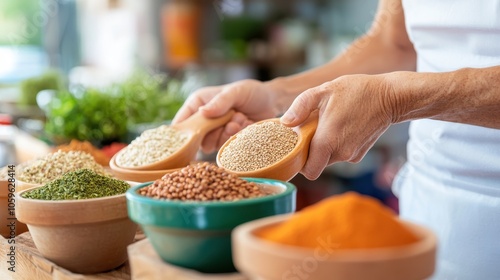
261, 259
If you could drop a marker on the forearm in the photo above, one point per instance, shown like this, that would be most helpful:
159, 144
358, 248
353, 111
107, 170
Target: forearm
470, 95
384, 48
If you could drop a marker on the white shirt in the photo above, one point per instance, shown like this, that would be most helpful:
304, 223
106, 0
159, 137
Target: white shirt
451, 182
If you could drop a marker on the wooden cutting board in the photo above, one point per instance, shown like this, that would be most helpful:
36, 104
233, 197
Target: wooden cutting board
30, 264
146, 264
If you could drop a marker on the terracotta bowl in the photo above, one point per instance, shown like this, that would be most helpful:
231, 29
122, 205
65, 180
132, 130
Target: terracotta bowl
7, 206
194, 128
290, 165
83, 236
133, 175
261, 259
197, 235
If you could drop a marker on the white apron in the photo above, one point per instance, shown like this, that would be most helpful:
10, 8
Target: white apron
451, 182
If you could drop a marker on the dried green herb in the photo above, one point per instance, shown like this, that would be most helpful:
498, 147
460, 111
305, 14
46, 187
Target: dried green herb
80, 184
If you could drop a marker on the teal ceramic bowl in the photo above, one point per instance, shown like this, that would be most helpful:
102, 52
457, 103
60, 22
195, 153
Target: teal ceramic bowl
197, 235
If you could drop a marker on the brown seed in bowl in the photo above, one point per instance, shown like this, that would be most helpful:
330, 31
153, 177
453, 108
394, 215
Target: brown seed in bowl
202, 182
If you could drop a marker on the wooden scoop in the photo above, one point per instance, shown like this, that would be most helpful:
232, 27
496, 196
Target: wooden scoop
287, 167
195, 127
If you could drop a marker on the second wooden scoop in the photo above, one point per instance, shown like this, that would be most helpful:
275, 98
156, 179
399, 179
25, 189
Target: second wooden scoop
287, 167
195, 127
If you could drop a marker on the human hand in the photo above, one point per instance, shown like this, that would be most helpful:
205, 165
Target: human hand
252, 100
354, 111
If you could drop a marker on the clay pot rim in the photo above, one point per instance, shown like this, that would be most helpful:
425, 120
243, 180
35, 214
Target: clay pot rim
246, 233
261, 258
65, 201
138, 175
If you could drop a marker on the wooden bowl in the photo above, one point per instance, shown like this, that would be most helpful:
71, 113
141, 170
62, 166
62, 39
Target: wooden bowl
133, 175
261, 259
290, 165
7, 214
83, 236
195, 128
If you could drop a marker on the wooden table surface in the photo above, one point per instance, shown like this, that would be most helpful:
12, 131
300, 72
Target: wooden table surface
31, 265
147, 265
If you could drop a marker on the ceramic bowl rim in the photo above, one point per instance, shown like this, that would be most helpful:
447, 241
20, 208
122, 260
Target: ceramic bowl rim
132, 195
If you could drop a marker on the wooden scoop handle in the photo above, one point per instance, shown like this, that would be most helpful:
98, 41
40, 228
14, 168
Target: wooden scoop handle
308, 128
306, 133
200, 125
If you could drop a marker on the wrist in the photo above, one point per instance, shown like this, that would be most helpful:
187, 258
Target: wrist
405, 96
282, 96
411, 95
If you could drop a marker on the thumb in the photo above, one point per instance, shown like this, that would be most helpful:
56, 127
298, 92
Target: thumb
301, 108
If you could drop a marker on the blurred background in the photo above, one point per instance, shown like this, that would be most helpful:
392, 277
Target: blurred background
104, 70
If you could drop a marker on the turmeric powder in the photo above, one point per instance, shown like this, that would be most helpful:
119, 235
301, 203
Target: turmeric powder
347, 221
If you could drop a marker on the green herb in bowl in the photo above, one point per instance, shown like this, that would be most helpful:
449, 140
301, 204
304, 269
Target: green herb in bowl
81, 184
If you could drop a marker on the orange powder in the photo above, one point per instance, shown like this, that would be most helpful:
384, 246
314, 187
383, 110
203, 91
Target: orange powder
346, 221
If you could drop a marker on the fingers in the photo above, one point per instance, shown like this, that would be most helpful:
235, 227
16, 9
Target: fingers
194, 102
220, 103
315, 164
323, 154
320, 151
216, 138
208, 145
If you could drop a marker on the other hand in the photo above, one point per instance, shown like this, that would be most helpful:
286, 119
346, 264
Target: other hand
252, 100
354, 111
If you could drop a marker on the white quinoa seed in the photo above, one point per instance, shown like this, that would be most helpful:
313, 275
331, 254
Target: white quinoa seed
258, 146
151, 146
18, 168
55, 165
